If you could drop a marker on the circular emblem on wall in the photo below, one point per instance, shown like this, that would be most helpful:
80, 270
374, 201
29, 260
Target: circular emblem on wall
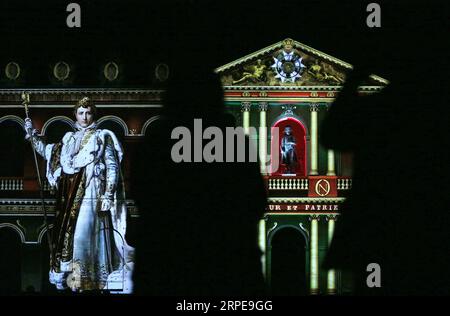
162, 72
323, 187
288, 66
61, 71
12, 71
111, 71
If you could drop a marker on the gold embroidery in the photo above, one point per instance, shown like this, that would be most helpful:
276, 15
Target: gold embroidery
86, 138
87, 277
67, 251
55, 157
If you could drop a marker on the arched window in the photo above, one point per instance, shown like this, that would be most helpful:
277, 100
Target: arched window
55, 129
288, 263
147, 125
10, 262
12, 137
115, 127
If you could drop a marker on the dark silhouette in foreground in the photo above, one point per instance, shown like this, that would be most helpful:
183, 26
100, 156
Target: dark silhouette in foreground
398, 212
198, 221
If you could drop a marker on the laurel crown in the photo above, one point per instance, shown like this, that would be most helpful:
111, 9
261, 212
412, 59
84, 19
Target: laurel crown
84, 102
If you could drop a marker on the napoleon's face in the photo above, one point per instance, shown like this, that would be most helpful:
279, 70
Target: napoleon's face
288, 130
84, 116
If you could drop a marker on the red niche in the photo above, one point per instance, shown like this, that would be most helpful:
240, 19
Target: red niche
299, 134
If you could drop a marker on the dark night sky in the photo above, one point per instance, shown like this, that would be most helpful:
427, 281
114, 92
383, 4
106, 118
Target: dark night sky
140, 34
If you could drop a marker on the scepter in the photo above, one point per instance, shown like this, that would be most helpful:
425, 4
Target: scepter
25, 103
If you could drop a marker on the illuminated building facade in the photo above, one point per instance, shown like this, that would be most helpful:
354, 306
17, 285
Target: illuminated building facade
285, 84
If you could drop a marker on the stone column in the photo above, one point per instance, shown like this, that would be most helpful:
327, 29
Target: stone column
331, 170
314, 108
245, 108
263, 136
331, 166
262, 240
331, 277
314, 255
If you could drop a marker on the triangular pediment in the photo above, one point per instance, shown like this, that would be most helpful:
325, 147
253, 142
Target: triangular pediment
288, 63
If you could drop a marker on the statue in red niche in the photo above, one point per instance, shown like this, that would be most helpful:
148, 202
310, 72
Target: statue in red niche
288, 152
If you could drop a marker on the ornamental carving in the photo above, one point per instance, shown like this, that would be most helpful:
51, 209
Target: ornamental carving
286, 64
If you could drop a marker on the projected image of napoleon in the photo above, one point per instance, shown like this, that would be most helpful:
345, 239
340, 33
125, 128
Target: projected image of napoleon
89, 251
288, 154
